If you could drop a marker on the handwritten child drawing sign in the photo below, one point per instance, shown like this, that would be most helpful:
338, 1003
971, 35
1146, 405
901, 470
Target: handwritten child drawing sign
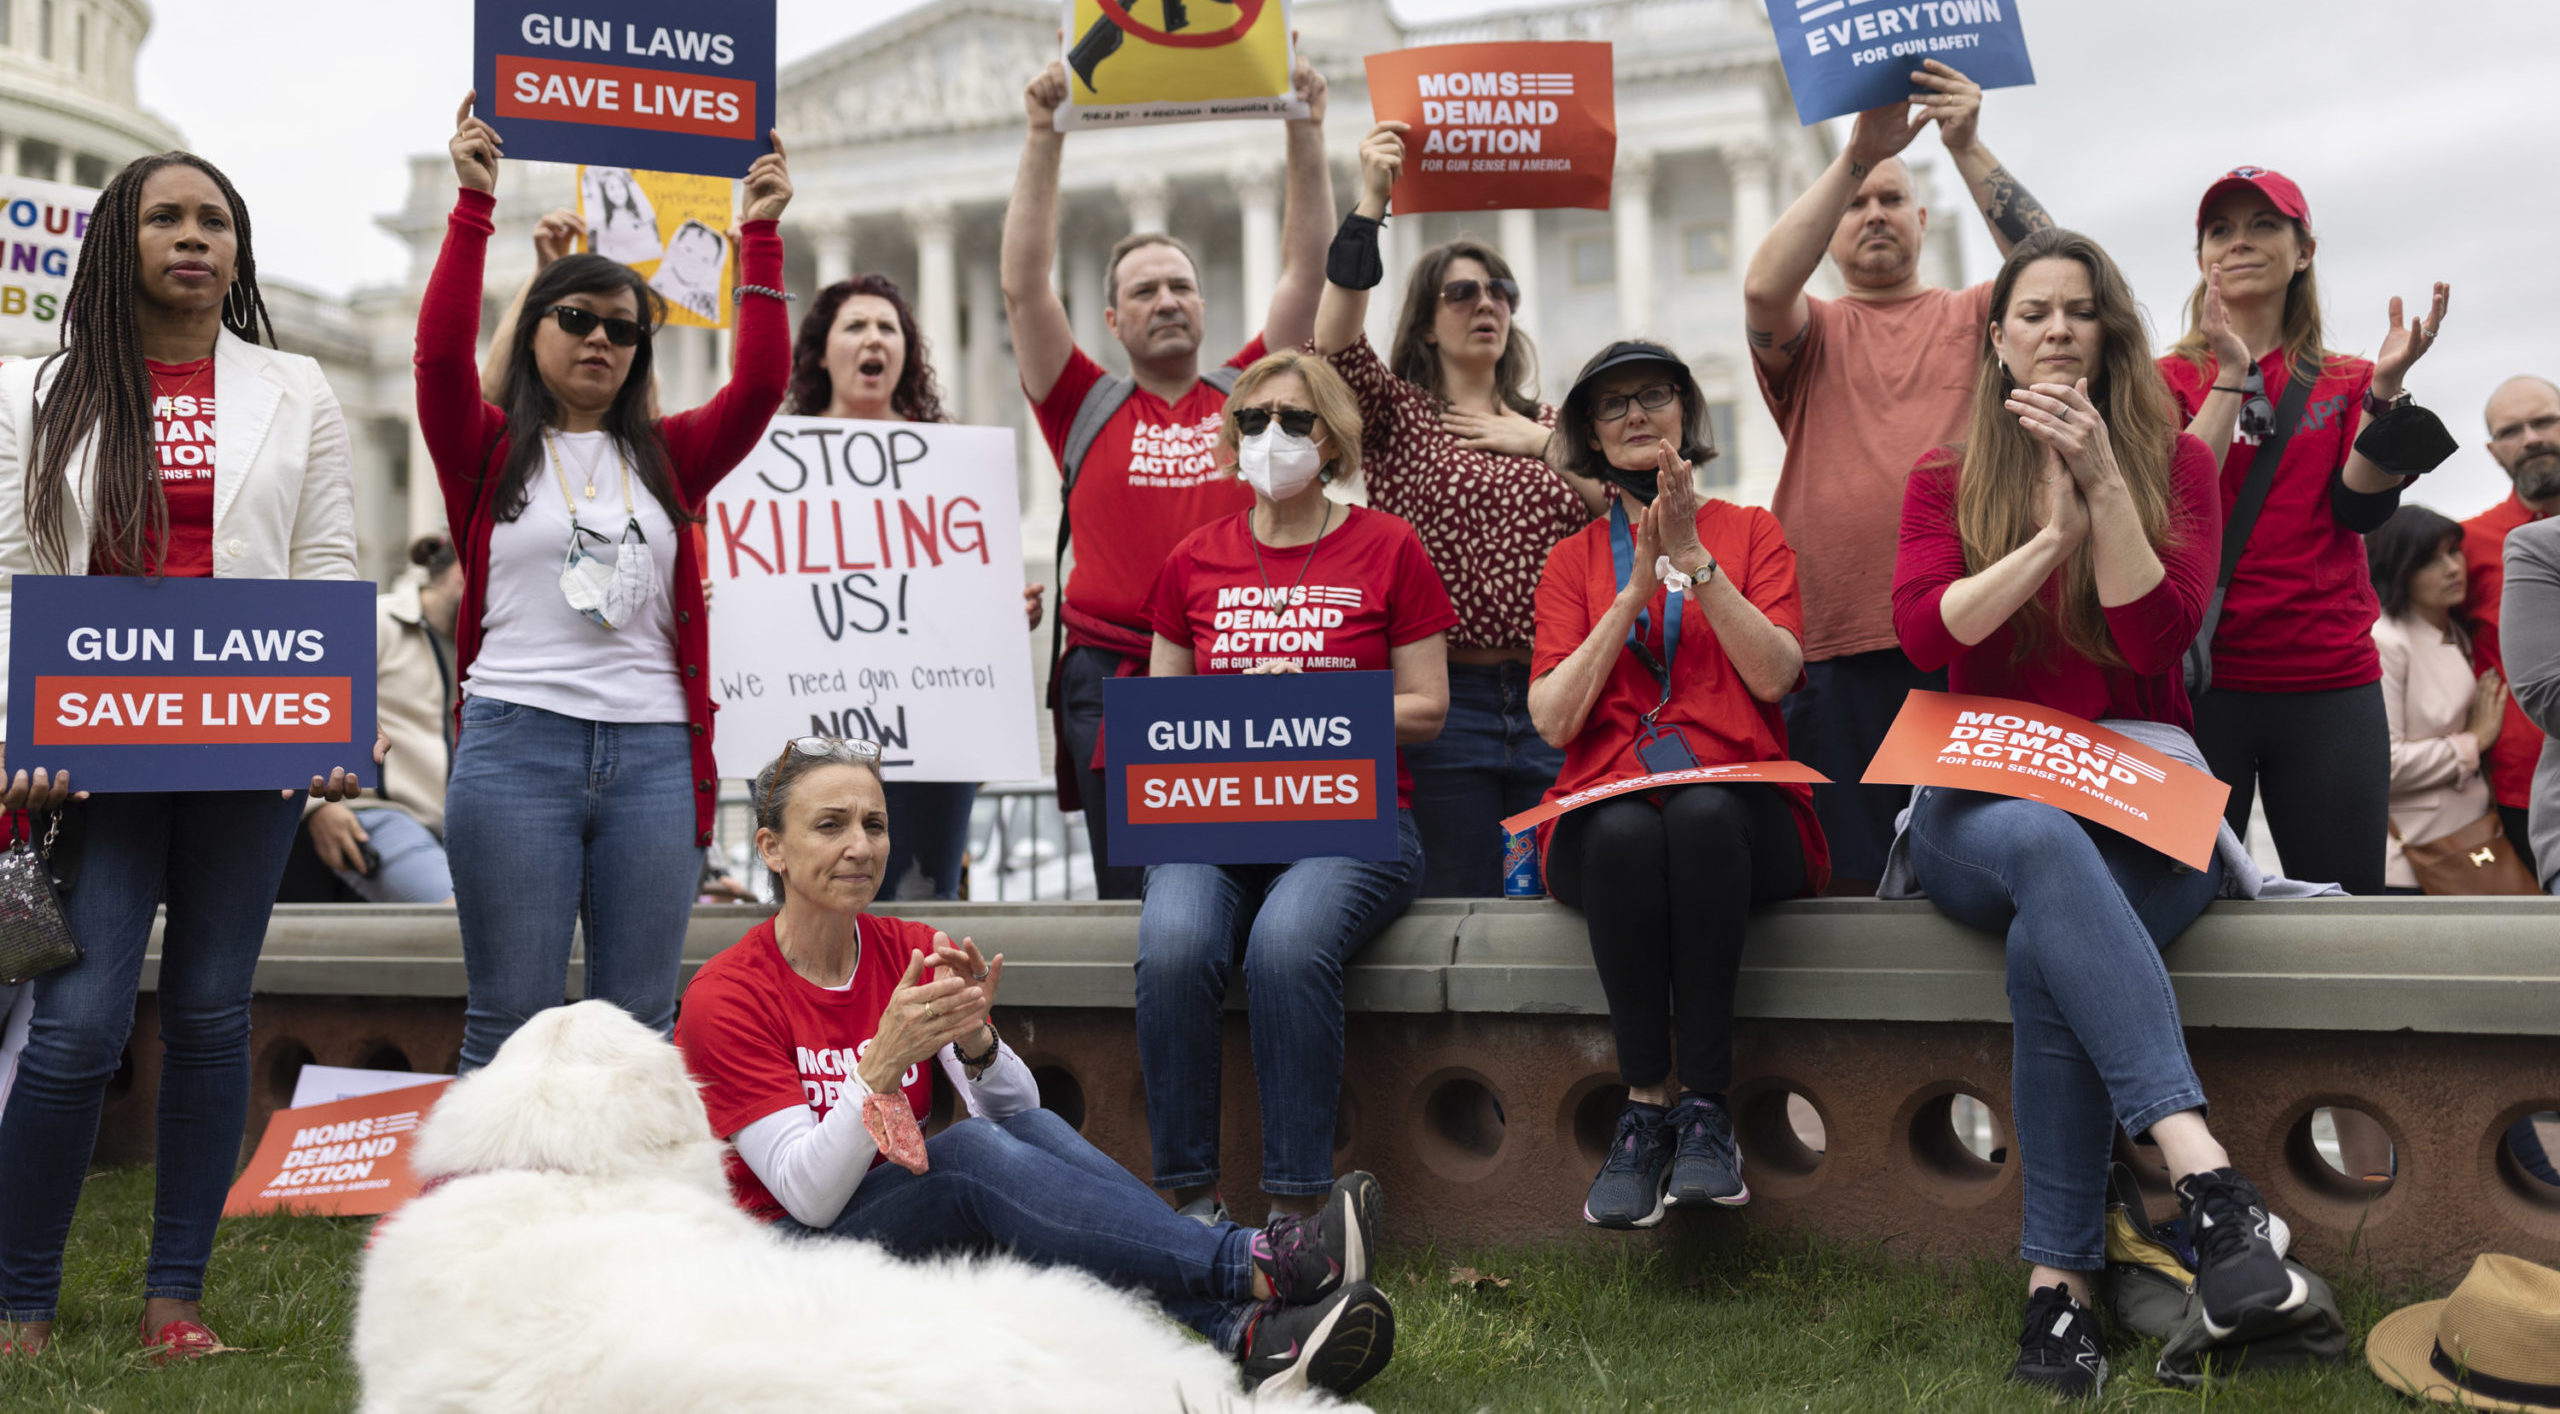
1233, 61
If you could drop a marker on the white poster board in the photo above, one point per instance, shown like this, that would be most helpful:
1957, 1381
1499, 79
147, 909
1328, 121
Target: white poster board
866, 581
41, 227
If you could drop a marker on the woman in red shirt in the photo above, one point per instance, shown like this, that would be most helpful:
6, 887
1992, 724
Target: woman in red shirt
1290, 427
1453, 441
2295, 702
2062, 557
582, 782
1666, 637
810, 1037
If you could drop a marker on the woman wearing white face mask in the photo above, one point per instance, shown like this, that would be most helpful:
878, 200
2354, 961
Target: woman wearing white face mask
1291, 426
582, 783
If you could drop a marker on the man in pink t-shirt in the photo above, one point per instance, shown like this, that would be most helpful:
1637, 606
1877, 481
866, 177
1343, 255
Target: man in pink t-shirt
1862, 387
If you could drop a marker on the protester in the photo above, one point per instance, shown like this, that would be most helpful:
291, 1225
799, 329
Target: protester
1138, 454
1290, 427
1453, 441
2529, 607
2061, 556
2294, 700
1630, 682
825, 1013
585, 730
2443, 718
164, 318
1861, 386
861, 355
2524, 437
393, 851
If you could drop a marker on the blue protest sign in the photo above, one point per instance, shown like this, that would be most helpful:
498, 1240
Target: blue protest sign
1846, 56
135, 684
1234, 768
655, 85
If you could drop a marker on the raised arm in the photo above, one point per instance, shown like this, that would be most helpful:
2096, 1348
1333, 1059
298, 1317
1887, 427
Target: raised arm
1561, 699
1042, 340
455, 421
1954, 103
2217, 418
555, 235
1343, 312
2401, 348
1768, 657
1774, 312
708, 442
1306, 222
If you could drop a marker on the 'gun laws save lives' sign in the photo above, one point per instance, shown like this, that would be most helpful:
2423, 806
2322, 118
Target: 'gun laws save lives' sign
134, 684
866, 581
662, 85
1500, 126
1239, 768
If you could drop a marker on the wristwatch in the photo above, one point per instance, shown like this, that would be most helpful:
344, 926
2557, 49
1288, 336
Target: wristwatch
1704, 574
2376, 407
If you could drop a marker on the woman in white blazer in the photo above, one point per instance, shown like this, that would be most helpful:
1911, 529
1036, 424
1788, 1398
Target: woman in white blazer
2443, 717
162, 440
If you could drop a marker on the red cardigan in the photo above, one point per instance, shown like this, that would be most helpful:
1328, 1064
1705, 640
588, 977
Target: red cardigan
467, 439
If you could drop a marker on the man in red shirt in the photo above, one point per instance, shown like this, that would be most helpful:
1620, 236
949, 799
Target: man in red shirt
1141, 467
2524, 436
1862, 386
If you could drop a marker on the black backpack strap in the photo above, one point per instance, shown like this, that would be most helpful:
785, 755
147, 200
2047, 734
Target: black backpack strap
2262, 476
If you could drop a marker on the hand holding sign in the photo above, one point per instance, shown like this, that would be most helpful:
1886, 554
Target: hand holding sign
1381, 161
1044, 96
1950, 100
769, 183
475, 148
43, 790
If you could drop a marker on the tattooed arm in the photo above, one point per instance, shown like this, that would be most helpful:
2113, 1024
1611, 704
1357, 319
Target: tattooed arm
1954, 103
1774, 313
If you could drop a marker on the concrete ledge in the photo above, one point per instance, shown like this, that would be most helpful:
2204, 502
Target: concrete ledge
2463, 966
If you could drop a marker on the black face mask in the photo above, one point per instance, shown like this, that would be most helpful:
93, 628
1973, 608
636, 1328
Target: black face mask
1643, 485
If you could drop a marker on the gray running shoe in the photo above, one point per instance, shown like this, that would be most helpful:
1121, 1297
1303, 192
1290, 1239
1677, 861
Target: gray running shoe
1629, 1189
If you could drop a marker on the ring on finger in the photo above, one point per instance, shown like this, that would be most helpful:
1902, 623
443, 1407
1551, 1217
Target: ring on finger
933, 1009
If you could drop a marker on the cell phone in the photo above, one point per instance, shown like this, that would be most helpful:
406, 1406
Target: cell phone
1664, 749
372, 858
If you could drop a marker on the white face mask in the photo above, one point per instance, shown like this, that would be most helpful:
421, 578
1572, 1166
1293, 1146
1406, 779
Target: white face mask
1277, 464
611, 595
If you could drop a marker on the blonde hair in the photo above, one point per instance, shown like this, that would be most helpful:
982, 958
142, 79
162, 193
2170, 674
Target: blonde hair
2305, 354
1996, 487
1336, 410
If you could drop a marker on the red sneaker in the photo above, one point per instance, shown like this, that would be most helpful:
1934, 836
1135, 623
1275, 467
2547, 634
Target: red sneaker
181, 1340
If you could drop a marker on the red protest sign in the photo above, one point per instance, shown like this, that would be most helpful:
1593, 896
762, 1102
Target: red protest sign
347, 1158
2029, 752
1785, 772
1500, 126
1220, 792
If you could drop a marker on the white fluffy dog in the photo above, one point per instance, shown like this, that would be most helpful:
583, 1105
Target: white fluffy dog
582, 1252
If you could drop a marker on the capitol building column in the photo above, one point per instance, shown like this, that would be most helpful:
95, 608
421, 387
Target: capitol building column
937, 295
1519, 239
1631, 226
831, 240
1762, 450
1257, 187
1150, 201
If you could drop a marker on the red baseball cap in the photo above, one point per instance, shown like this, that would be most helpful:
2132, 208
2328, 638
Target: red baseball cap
2275, 186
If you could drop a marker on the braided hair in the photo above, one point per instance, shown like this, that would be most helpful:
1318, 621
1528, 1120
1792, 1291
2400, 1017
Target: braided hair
101, 385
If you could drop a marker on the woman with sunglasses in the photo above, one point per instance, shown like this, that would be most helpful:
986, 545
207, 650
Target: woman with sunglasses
1667, 634
2295, 705
1453, 440
582, 784
1349, 589
810, 1038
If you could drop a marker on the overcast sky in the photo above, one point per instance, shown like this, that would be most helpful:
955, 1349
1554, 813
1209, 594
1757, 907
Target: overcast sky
2421, 134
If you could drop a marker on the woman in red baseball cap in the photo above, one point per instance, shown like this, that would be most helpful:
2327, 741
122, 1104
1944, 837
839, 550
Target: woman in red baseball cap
2285, 677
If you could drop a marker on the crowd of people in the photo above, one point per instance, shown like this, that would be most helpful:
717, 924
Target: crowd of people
1998, 490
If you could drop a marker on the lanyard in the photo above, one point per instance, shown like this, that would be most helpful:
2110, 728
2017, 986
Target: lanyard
1622, 553
551, 445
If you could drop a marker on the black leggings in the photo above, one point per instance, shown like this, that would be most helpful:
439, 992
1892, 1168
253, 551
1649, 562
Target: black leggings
2325, 761
1665, 881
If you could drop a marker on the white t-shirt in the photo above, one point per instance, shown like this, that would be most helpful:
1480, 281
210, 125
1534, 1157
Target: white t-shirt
535, 650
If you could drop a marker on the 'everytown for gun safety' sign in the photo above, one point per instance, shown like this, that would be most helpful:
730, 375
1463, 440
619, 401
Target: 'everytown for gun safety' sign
663, 85
866, 581
1847, 56
1500, 126
1250, 768
41, 227
2036, 753
671, 227
1176, 61
347, 1158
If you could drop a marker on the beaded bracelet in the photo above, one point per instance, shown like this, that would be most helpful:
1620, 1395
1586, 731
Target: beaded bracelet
739, 295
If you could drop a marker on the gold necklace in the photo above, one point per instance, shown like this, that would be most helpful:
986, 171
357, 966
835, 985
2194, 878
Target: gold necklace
551, 444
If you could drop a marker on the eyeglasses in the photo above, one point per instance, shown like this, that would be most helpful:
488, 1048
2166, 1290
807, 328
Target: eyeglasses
1652, 398
1465, 292
578, 323
834, 748
2257, 415
1297, 422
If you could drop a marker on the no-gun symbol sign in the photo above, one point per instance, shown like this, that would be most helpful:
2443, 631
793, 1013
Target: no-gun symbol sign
1176, 61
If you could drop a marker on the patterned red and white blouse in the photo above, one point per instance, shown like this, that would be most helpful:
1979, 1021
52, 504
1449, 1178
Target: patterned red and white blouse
1487, 520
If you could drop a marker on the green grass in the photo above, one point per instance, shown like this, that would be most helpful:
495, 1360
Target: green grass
1723, 1317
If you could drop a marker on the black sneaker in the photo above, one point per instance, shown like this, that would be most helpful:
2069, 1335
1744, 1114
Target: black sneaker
1337, 1344
1629, 1189
1306, 1258
2241, 1279
1706, 1167
2058, 1350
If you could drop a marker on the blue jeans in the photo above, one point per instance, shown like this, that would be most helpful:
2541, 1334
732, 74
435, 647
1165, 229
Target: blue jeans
1293, 926
1487, 764
928, 822
215, 857
2094, 1023
1031, 1186
413, 868
552, 822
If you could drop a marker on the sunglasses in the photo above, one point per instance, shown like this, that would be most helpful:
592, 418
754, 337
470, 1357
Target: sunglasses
1653, 398
2257, 415
1297, 422
578, 323
1464, 292
832, 748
